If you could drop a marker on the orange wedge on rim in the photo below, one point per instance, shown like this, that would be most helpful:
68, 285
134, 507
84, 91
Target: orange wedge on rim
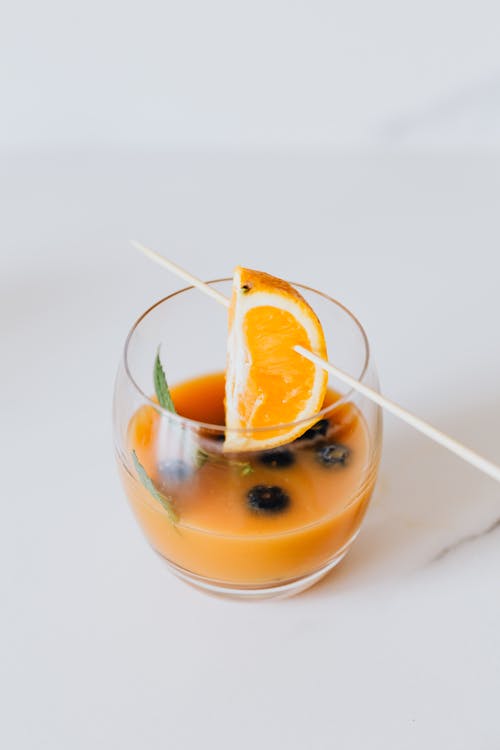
268, 384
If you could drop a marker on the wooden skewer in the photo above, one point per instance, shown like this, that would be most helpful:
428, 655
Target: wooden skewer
468, 455
426, 429
178, 271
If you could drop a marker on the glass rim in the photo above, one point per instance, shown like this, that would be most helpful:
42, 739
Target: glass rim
217, 428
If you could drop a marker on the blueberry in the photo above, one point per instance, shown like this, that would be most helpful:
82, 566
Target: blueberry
333, 454
174, 471
317, 430
277, 458
267, 499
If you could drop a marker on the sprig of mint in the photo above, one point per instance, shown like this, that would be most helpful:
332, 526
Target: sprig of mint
147, 482
161, 386
246, 468
165, 400
202, 457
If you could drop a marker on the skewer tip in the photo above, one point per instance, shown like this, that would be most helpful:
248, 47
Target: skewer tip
137, 245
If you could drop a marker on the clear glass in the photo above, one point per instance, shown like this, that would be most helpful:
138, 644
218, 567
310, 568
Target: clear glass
219, 542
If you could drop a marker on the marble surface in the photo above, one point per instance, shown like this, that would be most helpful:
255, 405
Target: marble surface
101, 647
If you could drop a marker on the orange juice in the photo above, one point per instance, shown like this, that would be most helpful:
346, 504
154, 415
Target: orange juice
252, 519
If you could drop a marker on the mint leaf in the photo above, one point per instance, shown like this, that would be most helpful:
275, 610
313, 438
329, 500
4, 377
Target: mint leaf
146, 480
202, 457
161, 386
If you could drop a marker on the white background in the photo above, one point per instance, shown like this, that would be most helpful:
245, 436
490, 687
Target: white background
353, 147
271, 73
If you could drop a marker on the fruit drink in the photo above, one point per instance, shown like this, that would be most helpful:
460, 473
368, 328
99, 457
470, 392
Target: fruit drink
253, 480
250, 518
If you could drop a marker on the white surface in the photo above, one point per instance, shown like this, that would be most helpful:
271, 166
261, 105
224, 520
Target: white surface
102, 648
267, 73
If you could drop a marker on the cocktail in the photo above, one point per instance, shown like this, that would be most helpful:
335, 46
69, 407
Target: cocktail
247, 471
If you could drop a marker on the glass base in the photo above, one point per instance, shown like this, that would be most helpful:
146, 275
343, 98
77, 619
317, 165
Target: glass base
277, 590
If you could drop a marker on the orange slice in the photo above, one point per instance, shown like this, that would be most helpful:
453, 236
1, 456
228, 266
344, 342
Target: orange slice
267, 382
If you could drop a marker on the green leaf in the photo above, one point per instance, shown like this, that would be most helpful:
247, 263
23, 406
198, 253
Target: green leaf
201, 457
146, 480
161, 386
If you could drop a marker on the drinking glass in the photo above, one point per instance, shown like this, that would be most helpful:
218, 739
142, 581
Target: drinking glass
194, 501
